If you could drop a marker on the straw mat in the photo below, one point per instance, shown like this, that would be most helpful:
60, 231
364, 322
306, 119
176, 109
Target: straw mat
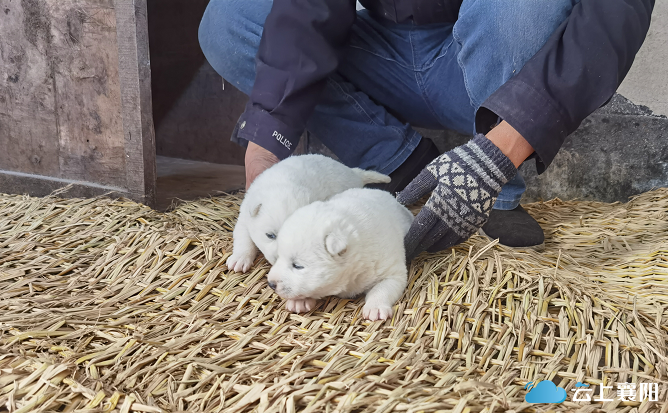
107, 305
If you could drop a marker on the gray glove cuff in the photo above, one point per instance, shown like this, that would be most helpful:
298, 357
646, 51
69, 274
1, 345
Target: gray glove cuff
470, 178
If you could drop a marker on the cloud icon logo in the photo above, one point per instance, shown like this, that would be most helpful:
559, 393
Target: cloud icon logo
545, 392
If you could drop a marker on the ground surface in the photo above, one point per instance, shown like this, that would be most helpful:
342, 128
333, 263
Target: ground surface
110, 306
186, 180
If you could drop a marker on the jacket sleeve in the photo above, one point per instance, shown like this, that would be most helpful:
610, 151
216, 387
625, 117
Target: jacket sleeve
300, 47
576, 72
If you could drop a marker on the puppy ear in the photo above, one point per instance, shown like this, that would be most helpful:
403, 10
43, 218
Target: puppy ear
336, 242
255, 211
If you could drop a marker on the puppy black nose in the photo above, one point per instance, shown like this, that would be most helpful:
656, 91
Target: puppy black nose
272, 285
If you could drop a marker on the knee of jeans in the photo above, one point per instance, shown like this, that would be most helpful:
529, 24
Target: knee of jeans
517, 28
526, 25
219, 38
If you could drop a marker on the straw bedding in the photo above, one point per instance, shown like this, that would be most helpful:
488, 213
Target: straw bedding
107, 305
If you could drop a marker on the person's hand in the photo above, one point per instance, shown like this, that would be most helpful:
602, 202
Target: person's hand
465, 182
257, 161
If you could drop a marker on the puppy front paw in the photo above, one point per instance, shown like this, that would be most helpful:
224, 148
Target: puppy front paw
300, 306
240, 262
375, 312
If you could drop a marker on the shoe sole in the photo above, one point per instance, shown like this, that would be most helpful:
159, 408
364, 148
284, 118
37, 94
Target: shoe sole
537, 248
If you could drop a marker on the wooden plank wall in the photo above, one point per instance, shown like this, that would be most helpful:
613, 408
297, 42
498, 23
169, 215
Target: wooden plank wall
61, 112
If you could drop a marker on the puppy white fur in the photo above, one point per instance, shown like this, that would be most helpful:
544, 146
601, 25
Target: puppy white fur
349, 245
278, 192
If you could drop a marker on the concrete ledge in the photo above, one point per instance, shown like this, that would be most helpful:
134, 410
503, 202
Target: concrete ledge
619, 151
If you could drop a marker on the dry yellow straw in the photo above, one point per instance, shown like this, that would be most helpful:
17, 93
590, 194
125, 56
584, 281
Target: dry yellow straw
109, 306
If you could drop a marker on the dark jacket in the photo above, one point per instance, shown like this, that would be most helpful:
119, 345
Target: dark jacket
577, 71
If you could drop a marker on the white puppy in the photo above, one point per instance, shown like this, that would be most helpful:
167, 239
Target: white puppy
349, 245
281, 190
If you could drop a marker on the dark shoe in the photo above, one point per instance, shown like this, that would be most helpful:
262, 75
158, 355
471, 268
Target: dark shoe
514, 228
424, 153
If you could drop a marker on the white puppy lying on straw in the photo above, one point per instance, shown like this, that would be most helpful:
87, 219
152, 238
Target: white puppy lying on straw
281, 190
349, 245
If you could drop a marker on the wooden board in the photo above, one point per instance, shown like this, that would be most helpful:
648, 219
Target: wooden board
136, 106
61, 113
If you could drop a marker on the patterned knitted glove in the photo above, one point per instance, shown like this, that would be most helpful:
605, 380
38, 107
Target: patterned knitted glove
465, 182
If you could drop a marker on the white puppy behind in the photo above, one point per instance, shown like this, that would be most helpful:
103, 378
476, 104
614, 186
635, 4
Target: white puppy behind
349, 245
278, 192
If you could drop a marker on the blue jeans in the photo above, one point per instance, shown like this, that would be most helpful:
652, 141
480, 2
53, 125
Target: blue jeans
395, 76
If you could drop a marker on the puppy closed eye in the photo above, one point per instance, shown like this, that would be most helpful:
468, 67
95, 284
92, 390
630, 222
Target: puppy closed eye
297, 266
271, 235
